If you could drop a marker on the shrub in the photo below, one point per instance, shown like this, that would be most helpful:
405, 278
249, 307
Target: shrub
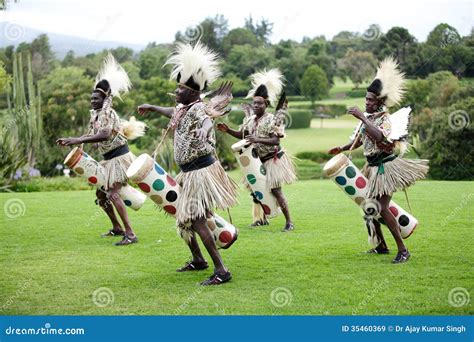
38, 184
299, 118
331, 109
356, 93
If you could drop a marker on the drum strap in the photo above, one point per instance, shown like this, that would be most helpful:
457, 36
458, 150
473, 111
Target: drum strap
408, 202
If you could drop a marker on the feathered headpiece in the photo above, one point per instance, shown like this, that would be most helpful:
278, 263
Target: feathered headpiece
194, 66
389, 83
112, 79
266, 84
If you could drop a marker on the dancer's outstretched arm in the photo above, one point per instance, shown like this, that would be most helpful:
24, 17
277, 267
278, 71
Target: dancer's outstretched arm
165, 111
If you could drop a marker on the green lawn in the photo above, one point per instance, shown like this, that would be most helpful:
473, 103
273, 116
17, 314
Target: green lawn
53, 259
335, 132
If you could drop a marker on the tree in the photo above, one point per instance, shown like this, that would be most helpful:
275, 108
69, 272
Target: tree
443, 35
262, 30
314, 84
239, 36
244, 60
358, 65
151, 60
400, 44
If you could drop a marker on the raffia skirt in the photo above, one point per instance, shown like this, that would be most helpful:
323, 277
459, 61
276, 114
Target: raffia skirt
398, 174
204, 190
116, 169
280, 171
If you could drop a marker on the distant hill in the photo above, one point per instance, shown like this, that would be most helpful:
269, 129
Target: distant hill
13, 34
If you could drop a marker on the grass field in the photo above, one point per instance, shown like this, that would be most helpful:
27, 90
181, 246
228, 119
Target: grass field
53, 259
335, 132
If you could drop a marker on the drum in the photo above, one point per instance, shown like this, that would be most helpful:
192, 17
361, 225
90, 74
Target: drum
87, 167
155, 182
255, 175
354, 184
162, 189
224, 233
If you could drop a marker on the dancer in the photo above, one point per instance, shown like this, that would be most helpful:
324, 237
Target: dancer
381, 133
265, 130
110, 135
204, 183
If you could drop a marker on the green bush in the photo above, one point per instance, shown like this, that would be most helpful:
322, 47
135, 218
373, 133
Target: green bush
40, 184
331, 109
299, 118
317, 157
236, 117
356, 93
307, 169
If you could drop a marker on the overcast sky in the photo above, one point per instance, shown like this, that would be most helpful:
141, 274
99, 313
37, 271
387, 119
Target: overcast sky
141, 21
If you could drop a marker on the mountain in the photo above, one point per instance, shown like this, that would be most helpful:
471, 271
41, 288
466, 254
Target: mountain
13, 34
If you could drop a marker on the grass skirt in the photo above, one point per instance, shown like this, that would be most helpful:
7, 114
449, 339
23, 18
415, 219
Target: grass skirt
116, 169
398, 174
204, 190
280, 171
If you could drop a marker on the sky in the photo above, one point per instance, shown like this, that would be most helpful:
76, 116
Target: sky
141, 21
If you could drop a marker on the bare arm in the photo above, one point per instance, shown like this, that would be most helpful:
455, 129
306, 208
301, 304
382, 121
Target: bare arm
272, 140
165, 111
102, 135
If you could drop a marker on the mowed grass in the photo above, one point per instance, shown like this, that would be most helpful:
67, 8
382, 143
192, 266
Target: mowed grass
52, 259
335, 132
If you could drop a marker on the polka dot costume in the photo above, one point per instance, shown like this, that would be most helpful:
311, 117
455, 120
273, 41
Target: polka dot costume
354, 184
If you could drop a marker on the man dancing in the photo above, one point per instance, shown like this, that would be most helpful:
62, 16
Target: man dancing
265, 131
204, 183
110, 135
380, 133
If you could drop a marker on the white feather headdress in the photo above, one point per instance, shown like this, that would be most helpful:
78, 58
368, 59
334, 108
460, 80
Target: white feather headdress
390, 81
115, 75
272, 80
196, 65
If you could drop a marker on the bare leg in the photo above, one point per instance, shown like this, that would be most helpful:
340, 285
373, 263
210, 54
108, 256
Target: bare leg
195, 250
391, 222
121, 208
282, 203
200, 227
107, 206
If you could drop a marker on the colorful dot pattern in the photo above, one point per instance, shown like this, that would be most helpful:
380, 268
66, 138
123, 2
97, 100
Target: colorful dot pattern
161, 188
255, 174
354, 184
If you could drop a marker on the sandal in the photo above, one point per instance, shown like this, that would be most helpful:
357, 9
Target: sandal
288, 227
378, 250
193, 266
401, 257
259, 223
113, 232
127, 240
217, 279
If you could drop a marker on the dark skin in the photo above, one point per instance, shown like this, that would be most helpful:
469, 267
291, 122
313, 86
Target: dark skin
185, 96
97, 101
372, 104
259, 106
